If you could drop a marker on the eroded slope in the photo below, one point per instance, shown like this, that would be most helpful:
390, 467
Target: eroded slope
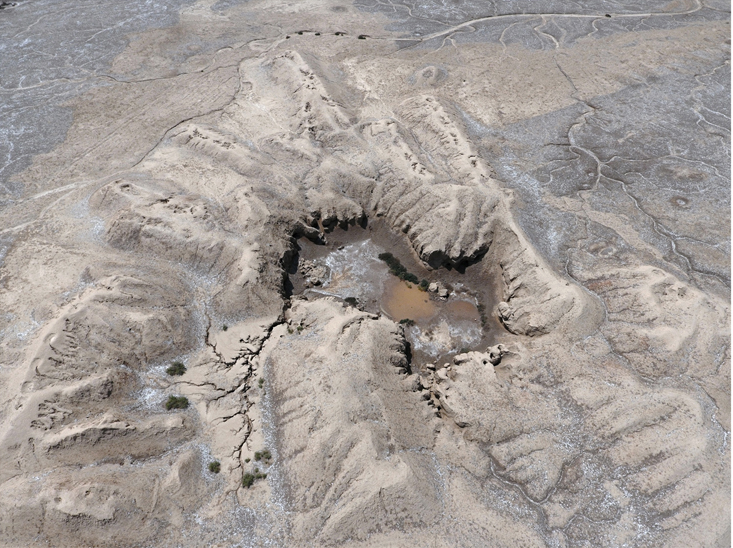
602, 419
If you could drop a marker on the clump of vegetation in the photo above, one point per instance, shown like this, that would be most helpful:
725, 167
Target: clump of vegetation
290, 330
247, 459
351, 301
225, 327
407, 322
215, 467
396, 268
424, 284
410, 277
264, 455
249, 478
300, 328
176, 402
261, 381
464, 350
176, 368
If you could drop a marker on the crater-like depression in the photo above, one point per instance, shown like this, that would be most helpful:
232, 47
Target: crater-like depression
443, 311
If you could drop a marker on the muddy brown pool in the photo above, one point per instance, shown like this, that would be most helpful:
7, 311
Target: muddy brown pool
347, 266
401, 301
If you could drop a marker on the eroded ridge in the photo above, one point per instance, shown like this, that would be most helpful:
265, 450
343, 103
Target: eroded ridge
602, 418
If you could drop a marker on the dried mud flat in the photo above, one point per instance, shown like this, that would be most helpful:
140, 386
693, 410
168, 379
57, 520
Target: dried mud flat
162, 168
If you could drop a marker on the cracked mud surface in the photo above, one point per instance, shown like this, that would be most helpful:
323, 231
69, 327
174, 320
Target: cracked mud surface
162, 167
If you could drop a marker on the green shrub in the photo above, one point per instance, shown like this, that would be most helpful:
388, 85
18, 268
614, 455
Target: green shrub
225, 327
247, 459
351, 301
397, 269
407, 322
247, 480
263, 455
410, 277
176, 368
215, 467
176, 402
424, 284
393, 263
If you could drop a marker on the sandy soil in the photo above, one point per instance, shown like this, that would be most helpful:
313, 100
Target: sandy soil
568, 163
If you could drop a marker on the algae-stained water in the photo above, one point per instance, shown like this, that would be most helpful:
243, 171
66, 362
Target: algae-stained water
436, 328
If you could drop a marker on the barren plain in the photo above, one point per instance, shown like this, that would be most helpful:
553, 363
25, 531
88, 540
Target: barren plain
206, 207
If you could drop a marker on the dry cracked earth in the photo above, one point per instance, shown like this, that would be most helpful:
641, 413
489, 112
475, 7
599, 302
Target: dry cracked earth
163, 167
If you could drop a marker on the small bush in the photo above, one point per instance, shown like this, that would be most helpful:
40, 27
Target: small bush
263, 455
247, 480
261, 382
397, 269
225, 327
176, 402
351, 301
176, 368
392, 262
464, 350
215, 467
424, 284
407, 322
247, 459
